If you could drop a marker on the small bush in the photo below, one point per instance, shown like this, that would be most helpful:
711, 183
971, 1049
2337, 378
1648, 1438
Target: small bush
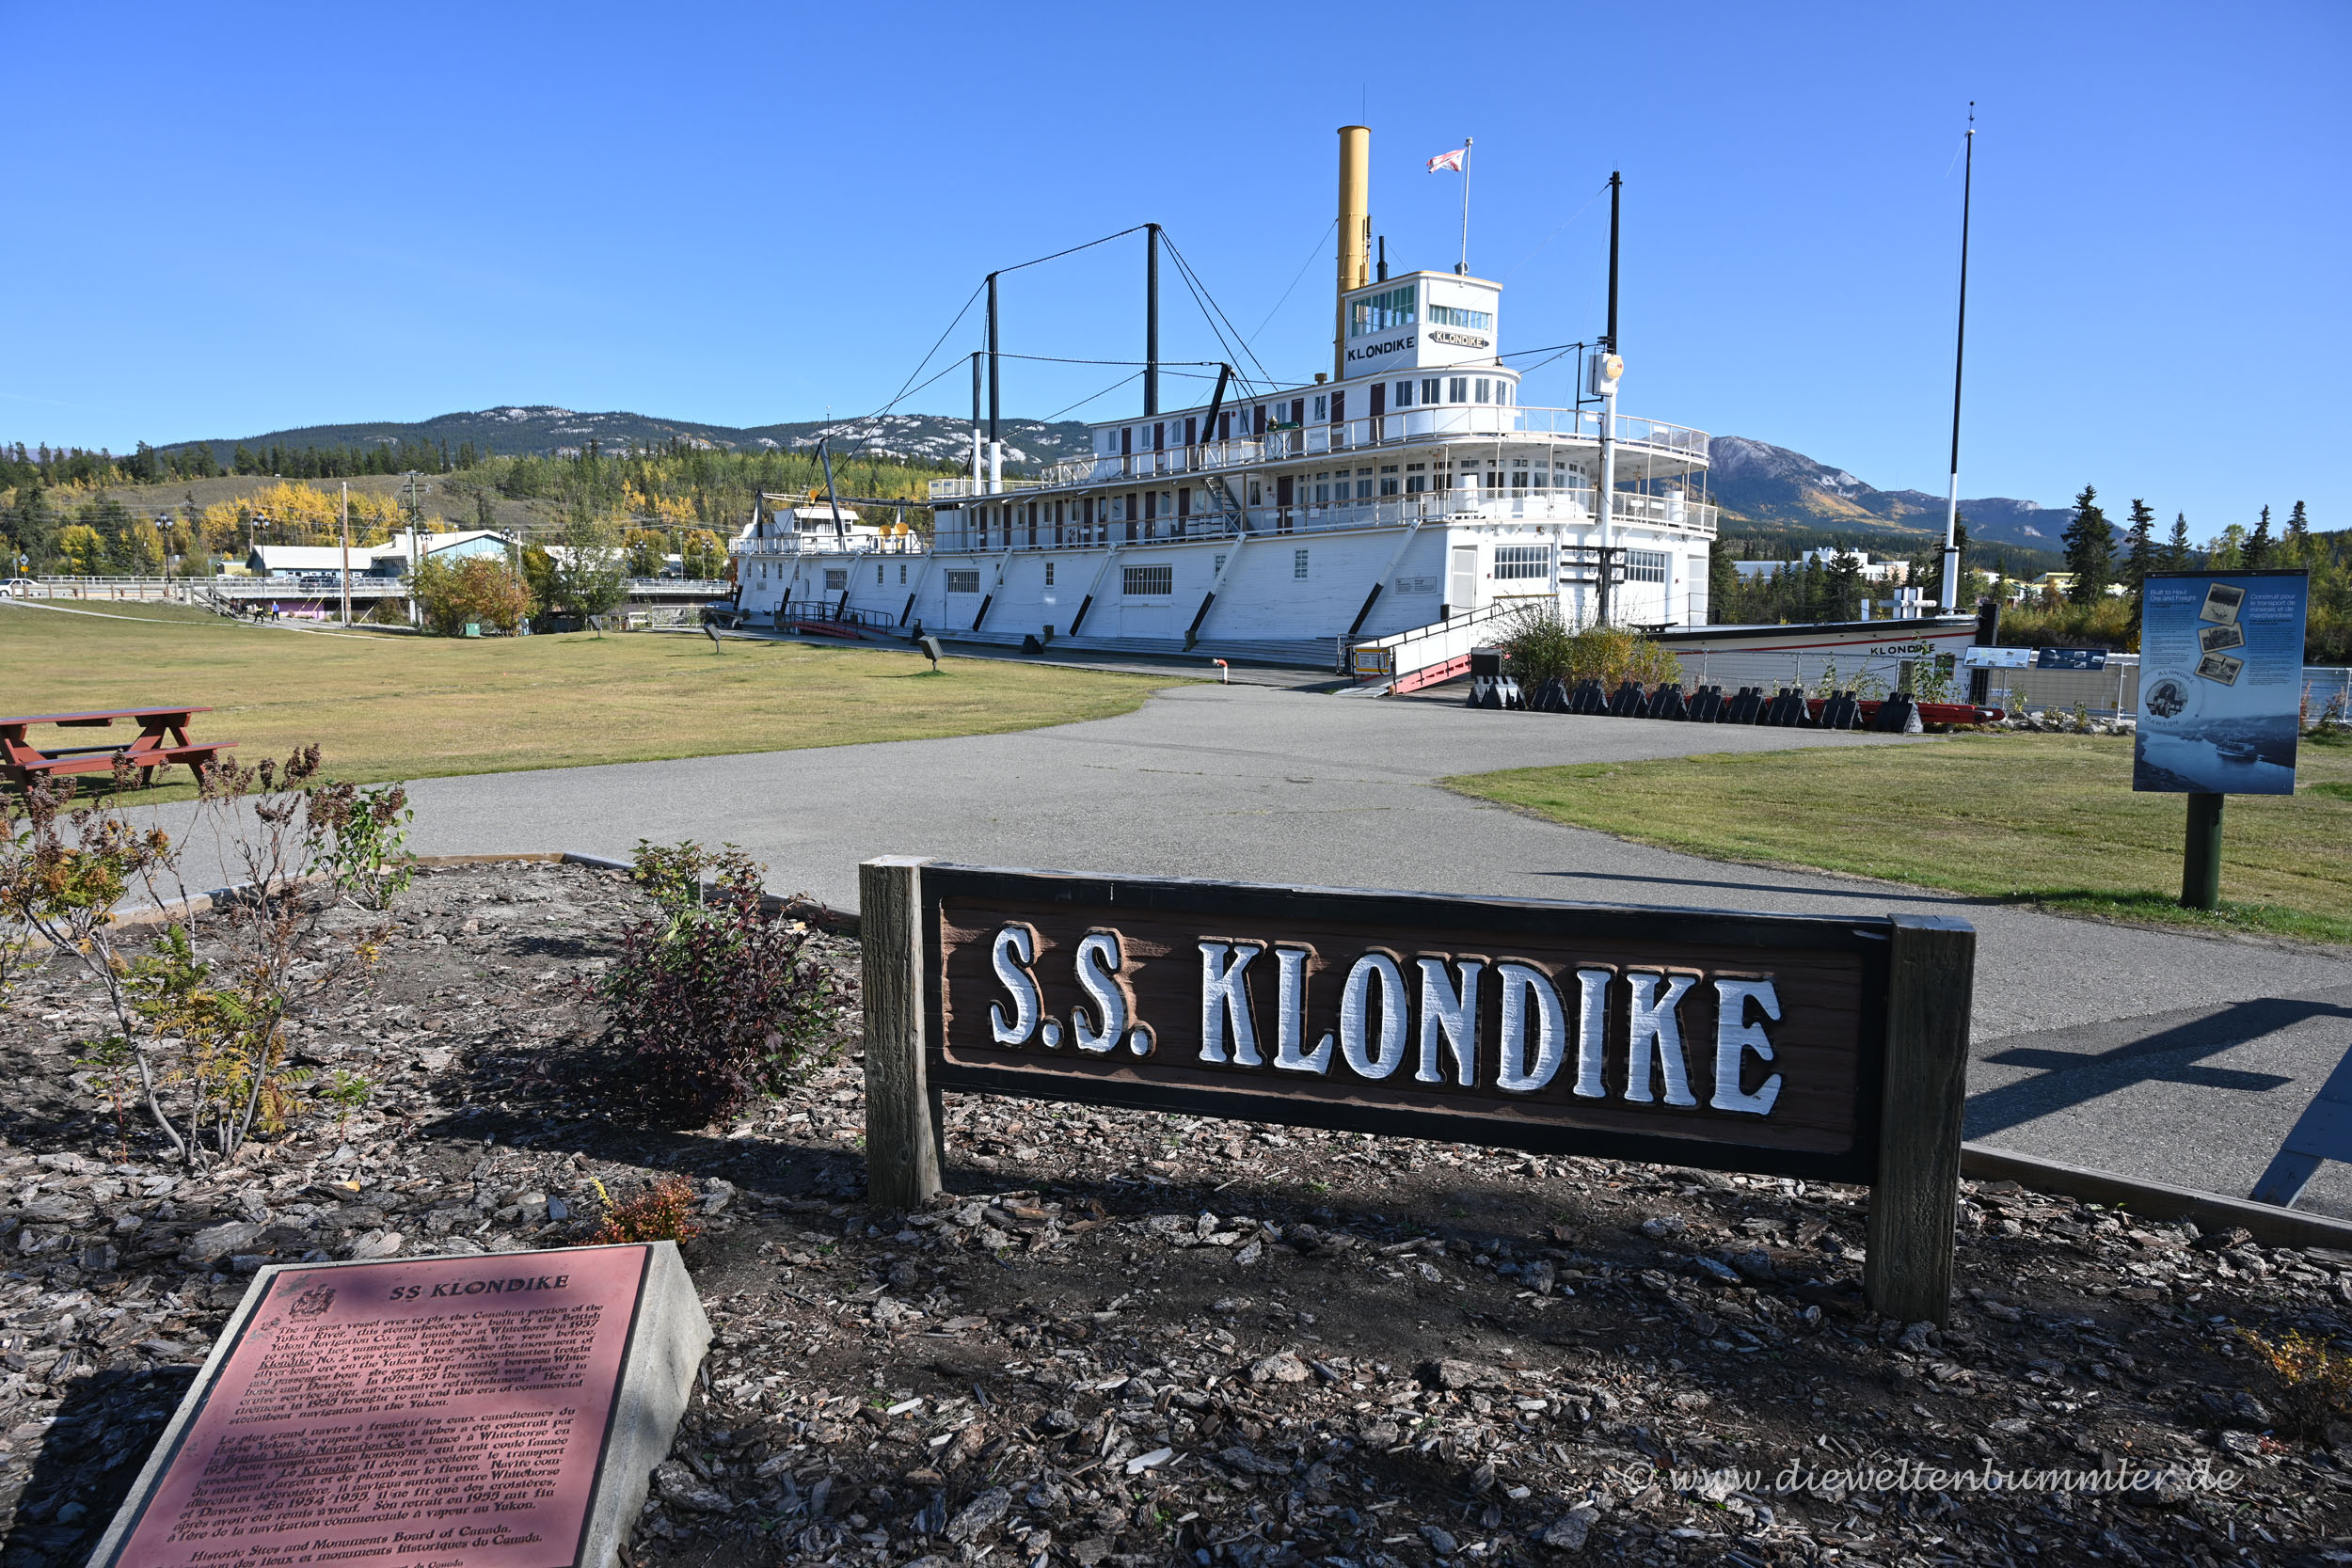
662, 1213
716, 1002
1538, 646
2314, 1383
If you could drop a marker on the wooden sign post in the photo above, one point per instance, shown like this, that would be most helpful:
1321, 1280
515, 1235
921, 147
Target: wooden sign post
1827, 1049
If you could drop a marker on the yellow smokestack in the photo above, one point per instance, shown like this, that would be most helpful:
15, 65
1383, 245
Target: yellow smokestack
1355, 230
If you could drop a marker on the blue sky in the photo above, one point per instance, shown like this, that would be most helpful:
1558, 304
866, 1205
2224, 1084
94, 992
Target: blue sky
233, 219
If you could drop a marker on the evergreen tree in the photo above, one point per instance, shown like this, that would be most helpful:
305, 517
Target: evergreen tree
2257, 552
2176, 550
2139, 556
2298, 537
1842, 584
2090, 549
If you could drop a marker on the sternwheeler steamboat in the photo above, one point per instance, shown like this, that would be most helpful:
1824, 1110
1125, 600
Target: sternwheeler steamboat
1380, 521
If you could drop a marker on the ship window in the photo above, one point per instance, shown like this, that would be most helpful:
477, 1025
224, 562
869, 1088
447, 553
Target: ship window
1521, 561
1504, 393
1416, 483
1323, 491
1363, 485
1453, 315
878, 574
1388, 487
1298, 563
1404, 394
1380, 312
1482, 385
964, 581
1148, 581
1429, 389
837, 579
1219, 569
902, 574
1049, 574
1257, 494
1645, 565
1322, 409
1457, 389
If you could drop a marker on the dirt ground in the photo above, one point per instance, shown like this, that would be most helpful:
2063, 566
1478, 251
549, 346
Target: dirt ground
1149, 1339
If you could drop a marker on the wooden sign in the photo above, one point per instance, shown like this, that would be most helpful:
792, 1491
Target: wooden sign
1829, 1050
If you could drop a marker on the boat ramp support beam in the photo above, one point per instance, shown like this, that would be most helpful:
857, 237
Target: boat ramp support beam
1192, 633
1087, 603
1380, 582
995, 583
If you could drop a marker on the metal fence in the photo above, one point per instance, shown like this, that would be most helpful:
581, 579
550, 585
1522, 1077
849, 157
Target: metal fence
2104, 692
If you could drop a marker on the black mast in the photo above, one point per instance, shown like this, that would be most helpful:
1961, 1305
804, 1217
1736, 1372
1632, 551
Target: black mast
1150, 319
1616, 188
992, 373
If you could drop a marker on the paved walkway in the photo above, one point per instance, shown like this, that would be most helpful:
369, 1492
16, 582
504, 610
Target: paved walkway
2179, 1058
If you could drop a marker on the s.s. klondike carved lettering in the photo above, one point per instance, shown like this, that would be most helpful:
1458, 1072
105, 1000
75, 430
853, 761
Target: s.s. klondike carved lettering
1438, 1001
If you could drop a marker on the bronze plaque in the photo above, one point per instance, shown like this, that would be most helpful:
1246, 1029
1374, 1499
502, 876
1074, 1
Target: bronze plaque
1746, 1042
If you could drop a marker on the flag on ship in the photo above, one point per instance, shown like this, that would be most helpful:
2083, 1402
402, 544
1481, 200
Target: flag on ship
1448, 160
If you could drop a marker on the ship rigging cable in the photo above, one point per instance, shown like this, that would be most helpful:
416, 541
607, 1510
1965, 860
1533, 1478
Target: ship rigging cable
1207, 302
904, 391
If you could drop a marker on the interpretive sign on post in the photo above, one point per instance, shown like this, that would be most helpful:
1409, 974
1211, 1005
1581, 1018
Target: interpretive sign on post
497, 1411
2220, 682
1829, 1050
2221, 700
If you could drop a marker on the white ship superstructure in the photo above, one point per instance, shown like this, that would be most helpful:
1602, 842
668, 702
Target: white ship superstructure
1410, 486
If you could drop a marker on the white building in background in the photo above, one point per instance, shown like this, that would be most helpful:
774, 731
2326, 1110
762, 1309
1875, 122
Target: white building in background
1872, 571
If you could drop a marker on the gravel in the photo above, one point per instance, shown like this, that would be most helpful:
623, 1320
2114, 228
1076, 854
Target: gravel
1130, 1339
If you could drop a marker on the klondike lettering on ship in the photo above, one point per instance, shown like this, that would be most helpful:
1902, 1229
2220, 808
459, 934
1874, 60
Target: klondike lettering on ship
1820, 1049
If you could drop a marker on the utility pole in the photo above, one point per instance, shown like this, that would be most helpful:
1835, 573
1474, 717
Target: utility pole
1607, 367
345, 509
415, 517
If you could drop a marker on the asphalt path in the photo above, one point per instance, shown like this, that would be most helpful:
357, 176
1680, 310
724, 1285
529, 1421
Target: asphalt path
2178, 1058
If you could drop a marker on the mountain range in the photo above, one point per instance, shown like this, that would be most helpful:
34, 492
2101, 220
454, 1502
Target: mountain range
1761, 488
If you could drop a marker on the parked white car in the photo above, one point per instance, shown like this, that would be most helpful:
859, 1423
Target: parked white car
21, 587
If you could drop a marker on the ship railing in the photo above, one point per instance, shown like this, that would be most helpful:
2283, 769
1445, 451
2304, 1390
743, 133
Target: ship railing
825, 543
1439, 421
1572, 507
958, 489
832, 609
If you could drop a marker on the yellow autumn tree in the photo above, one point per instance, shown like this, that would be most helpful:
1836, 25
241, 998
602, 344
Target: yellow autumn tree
704, 556
83, 550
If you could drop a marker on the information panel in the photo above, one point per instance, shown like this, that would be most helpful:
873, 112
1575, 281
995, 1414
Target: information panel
2221, 682
450, 1411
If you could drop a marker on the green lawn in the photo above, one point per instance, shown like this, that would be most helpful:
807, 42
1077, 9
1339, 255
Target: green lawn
2037, 819
396, 706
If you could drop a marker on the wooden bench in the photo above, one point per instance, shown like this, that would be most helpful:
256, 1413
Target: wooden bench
162, 739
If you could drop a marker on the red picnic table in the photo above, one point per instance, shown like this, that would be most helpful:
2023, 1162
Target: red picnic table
162, 739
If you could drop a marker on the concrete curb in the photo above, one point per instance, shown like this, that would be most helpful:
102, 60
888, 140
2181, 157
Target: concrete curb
2270, 1225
